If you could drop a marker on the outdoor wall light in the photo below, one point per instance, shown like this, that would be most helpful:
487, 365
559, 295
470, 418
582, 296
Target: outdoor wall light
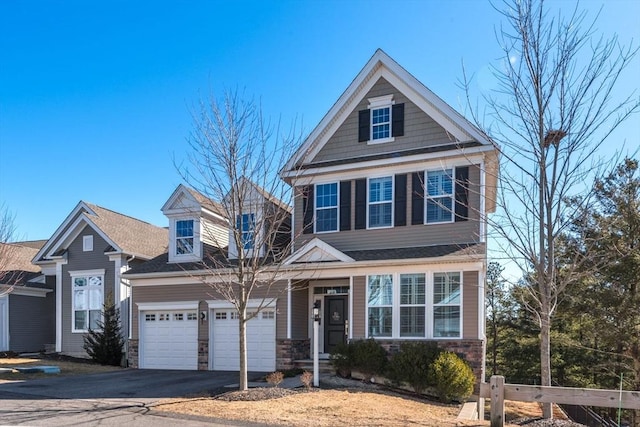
316, 310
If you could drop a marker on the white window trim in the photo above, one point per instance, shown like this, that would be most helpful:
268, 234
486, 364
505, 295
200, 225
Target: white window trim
400, 305
247, 251
393, 195
192, 237
197, 241
429, 325
83, 273
452, 196
87, 243
315, 207
385, 101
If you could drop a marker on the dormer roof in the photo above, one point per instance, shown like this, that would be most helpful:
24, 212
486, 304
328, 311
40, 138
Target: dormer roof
383, 66
185, 199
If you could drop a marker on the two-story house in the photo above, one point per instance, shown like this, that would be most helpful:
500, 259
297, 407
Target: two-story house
83, 262
390, 196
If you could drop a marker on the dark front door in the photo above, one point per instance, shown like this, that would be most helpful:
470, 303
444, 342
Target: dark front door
336, 313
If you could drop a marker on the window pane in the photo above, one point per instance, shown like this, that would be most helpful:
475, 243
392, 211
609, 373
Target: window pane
380, 115
81, 320
184, 228
412, 321
95, 281
439, 183
439, 209
380, 290
446, 322
380, 215
94, 317
80, 299
446, 288
380, 189
95, 299
327, 220
412, 289
380, 322
184, 246
327, 195
79, 281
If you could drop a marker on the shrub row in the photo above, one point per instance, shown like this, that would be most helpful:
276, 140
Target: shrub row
417, 364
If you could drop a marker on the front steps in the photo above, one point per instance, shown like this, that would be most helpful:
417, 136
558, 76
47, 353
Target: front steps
324, 365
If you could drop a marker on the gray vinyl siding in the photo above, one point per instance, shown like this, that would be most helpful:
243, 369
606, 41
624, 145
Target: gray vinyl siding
31, 322
359, 307
420, 130
401, 236
470, 305
72, 342
202, 293
300, 313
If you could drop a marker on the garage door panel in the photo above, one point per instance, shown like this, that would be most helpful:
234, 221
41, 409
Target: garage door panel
169, 340
260, 341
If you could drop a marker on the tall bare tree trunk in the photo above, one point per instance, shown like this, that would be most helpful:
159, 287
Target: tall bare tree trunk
243, 350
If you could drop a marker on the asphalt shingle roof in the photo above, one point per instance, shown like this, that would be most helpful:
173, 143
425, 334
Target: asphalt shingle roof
132, 235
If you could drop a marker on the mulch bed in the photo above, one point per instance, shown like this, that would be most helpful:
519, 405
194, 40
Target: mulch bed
541, 422
259, 393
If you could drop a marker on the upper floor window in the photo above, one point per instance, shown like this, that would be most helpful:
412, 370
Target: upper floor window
380, 123
439, 196
87, 299
184, 237
380, 202
245, 223
326, 207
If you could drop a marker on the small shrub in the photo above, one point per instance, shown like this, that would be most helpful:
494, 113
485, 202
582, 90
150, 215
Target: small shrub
307, 379
275, 378
369, 357
453, 378
411, 365
342, 359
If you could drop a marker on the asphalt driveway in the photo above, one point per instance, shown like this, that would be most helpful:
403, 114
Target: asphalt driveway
145, 384
115, 398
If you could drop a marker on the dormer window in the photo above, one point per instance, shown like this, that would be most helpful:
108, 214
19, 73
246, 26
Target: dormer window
382, 121
246, 223
184, 237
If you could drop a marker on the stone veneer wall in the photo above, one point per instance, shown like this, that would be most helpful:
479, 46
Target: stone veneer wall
288, 351
132, 356
203, 355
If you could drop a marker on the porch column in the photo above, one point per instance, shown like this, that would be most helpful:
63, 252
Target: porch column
289, 309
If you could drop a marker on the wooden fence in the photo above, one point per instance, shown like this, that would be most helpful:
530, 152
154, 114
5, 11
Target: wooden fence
498, 392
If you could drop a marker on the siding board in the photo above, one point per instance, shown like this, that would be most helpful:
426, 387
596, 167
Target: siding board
470, 305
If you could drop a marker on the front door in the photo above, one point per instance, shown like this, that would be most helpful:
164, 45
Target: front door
336, 315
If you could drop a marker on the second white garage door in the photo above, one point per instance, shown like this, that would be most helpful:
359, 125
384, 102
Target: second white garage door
261, 341
169, 339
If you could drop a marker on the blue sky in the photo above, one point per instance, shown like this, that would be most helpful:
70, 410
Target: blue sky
95, 96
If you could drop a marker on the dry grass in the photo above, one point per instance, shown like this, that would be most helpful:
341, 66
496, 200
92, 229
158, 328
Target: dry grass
326, 408
66, 368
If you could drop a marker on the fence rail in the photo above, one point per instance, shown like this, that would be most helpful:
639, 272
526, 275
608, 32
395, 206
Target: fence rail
498, 392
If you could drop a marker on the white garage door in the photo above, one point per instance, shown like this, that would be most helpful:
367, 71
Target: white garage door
261, 341
169, 339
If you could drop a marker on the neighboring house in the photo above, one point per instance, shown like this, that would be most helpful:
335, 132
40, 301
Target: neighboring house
27, 302
391, 192
85, 259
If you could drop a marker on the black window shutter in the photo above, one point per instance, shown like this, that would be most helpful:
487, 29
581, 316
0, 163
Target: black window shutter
397, 120
345, 205
363, 125
417, 198
400, 202
361, 204
307, 209
462, 193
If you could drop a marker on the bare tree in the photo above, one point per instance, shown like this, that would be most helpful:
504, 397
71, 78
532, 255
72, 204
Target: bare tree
8, 252
234, 159
554, 108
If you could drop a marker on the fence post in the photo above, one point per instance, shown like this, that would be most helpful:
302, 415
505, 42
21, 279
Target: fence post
497, 400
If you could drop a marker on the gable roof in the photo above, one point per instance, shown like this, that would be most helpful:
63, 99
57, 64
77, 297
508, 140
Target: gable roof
379, 66
195, 198
123, 233
316, 250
